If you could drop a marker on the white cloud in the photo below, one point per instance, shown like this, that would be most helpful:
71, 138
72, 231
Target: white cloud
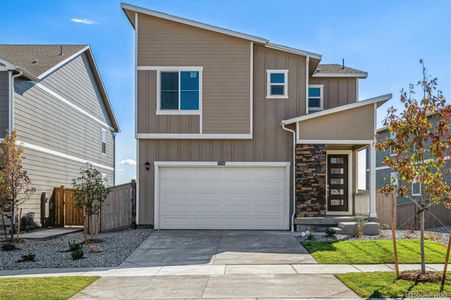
83, 21
128, 162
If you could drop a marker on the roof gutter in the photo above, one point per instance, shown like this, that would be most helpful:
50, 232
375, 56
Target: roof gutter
293, 174
11, 100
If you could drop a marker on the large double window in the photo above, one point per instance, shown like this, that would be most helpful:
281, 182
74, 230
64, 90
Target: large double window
179, 91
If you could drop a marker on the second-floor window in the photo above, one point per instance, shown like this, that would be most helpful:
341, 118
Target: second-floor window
103, 139
315, 97
277, 84
416, 188
179, 91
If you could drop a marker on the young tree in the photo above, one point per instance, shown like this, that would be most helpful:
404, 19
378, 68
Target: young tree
15, 186
90, 193
419, 142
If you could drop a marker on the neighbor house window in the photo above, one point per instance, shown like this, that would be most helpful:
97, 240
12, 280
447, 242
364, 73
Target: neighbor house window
277, 84
416, 188
179, 91
104, 139
394, 179
315, 97
392, 137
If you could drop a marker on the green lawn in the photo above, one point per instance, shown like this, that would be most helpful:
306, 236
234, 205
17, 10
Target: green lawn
384, 285
43, 287
373, 251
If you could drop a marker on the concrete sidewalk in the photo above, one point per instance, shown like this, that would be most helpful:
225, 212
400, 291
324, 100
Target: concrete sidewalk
207, 270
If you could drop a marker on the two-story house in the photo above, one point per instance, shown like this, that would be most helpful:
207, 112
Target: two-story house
54, 98
235, 132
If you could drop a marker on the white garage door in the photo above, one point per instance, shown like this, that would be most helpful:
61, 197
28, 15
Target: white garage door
223, 197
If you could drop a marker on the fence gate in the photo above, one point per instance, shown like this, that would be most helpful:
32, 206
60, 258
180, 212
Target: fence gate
66, 212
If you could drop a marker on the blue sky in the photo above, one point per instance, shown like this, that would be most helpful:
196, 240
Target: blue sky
385, 38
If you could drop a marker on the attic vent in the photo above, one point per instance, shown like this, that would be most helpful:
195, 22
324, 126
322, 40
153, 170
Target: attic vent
35, 61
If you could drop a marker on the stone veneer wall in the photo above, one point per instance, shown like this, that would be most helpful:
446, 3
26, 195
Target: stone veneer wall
311, 180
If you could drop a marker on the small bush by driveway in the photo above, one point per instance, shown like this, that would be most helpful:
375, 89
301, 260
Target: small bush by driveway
373, 251
116, 246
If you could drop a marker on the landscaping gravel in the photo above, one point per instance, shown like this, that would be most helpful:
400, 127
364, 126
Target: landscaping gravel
51, 253
440, 235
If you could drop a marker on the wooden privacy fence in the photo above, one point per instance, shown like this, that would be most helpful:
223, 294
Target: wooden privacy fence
118, 211
406, 214
65, 210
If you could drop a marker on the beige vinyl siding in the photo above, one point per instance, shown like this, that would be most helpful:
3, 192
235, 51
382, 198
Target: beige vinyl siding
270, 142
148, 121
352, 124
75, 82
226, 70
4, 102
47, 171
337, 91
43, 120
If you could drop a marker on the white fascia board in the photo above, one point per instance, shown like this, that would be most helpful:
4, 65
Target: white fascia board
335, 142
193, 23
62, 63
355, 75
293, 50
357, 104
7, 65
188, 136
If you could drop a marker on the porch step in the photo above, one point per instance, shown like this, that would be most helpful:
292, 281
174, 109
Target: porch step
371, 228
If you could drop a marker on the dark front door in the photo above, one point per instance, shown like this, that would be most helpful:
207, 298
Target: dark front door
337, 182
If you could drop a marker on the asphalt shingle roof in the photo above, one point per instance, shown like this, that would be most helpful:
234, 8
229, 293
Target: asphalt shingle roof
37, 59
337, 69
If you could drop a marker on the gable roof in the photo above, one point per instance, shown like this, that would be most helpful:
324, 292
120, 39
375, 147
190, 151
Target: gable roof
336, 70
379, 100
38, 61
259, 40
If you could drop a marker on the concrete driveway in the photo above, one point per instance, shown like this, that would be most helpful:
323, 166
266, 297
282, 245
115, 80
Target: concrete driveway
193, 247
218, 265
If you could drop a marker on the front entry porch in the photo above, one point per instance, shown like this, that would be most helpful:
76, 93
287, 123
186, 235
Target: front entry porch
327, 186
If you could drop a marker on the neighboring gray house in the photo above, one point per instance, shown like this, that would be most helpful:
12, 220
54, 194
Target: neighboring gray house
54, 98
235, 132
384, 174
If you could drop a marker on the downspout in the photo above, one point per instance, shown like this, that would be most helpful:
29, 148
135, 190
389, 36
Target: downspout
11, 101
293, 169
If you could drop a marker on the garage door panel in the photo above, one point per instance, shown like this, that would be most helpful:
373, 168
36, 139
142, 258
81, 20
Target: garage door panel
223, 198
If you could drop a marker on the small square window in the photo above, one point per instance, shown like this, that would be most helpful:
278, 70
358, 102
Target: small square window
277, 84
315, 97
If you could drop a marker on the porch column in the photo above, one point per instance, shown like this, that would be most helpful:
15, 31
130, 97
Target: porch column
372, 179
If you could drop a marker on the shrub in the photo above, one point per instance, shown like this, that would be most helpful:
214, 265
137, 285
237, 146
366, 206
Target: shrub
311, 237
27, 258
9, 247
75, 246
77, 254
330, 233
359, 228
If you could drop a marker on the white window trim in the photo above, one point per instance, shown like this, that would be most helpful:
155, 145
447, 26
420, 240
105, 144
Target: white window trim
391, 153
268, 84
103, 133
397, 178
177, 111
416, 194
321, 97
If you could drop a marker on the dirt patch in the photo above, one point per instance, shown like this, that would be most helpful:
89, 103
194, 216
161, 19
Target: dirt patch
418, 277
